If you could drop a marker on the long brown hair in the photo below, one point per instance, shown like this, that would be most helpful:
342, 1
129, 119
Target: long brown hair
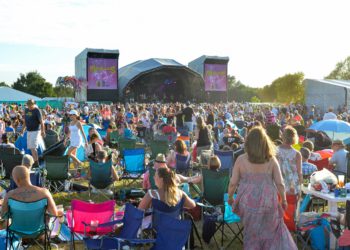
169, 184
180, 146
258, 146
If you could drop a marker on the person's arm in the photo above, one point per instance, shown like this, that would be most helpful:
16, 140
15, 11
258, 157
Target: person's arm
145, 202
189, 203
23, 127
51, 206
234, 180
299, 168
114, 174
4, 207
278, 180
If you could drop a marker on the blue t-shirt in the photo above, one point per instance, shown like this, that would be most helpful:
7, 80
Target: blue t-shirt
33, 119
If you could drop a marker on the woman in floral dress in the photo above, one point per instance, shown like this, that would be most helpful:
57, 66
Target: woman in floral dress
258, 178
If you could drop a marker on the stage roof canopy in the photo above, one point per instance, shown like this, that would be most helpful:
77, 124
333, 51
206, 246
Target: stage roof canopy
132, 71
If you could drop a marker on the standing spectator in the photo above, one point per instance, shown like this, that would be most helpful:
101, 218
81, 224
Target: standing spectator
188, 113
34, 124
259, 180
307, 167
330, 115
290, 161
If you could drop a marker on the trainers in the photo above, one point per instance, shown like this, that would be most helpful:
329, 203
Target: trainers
108, 192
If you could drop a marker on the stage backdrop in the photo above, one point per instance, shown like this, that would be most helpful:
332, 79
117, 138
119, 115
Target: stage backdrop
102, 73
215, 77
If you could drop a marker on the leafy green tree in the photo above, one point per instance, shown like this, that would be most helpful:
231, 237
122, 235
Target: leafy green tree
33, 83
239, 92
3, 84
341, 71
255, 99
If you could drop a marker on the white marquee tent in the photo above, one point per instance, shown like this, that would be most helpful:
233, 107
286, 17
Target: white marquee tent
12, 95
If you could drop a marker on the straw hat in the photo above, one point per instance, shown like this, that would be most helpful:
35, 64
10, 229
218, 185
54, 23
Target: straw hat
160, 158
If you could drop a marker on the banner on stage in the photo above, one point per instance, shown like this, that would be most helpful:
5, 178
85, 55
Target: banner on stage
102, 73
215, 77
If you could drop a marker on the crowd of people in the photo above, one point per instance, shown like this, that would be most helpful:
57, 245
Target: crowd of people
267, 169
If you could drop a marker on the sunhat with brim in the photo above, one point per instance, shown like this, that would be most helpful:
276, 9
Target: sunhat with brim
338, 143
160, 158
73, 112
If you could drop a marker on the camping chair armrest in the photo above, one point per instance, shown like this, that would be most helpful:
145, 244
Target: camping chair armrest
200, 204
196, 189
3, 185
137, 241
107, 224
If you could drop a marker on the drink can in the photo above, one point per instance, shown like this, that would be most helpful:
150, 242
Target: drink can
336, 192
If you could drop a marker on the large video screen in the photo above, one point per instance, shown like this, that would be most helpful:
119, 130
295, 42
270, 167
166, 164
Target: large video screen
215, 77
102, 73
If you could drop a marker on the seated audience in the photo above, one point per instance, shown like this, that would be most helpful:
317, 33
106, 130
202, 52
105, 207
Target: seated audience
339, 159
313, 156
102, 157
26, 192
168, 191
5, 142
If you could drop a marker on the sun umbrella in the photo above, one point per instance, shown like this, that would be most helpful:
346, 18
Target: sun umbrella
335, 127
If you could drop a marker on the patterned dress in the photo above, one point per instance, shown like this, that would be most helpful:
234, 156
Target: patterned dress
262, 216
288, 165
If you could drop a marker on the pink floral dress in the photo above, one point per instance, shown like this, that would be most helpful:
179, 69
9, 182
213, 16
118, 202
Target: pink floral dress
262, 215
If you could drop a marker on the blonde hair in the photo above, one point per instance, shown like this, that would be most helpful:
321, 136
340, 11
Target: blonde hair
200, 122
169, 184
258, 146
290, 135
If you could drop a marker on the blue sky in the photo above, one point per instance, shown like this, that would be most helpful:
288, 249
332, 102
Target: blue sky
264, 39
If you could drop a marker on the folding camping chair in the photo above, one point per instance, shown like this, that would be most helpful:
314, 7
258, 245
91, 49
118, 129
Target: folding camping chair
215, 185
114, 137
159, 147
131, 221
126, 144
82, 214
172, 234
226, 159
101, 177
28, 221
134, 164
56, 172
183, 164
10, 157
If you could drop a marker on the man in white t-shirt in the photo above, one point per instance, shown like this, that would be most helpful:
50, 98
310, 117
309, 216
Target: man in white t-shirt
330, 115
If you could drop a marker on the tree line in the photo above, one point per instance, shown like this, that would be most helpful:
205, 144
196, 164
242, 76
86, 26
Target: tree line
285, 89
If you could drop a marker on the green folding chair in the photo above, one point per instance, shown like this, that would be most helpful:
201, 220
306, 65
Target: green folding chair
101, 178
56, 172
215, 186
159, 147
126, 144
114, 137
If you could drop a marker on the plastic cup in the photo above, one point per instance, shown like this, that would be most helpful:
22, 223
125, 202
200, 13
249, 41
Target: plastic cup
341, 180
93, 225
60, 213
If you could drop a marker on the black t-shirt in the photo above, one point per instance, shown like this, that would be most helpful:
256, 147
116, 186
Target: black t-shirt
33, 119
203, 137
188, 112
179, 121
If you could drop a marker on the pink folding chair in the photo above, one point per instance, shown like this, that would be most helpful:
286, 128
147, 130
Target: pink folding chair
83, 213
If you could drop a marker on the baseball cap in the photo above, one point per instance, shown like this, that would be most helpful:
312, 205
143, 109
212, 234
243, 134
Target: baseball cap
160, 158
73, 112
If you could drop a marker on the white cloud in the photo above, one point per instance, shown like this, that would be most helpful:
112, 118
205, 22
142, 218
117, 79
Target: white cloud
264, 39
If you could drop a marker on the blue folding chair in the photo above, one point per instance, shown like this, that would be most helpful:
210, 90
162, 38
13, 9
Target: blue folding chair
172, 234
226, 159
101, 176
183, 164
132, 221
134, 164
35, 179
28, 221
